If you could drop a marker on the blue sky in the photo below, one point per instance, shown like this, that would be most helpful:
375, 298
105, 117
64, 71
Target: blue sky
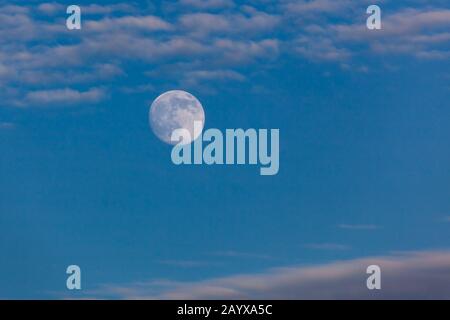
364, 157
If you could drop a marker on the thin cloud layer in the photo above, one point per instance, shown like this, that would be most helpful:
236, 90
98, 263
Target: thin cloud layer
327, 246
6, 125
417, 275
358, 226
207, 4
63, 96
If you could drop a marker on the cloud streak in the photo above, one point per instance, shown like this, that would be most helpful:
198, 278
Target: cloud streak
326, 246
358, 226
415, 275
7, 125
64, 96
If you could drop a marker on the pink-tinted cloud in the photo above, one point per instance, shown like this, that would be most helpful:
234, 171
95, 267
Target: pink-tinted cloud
415, 275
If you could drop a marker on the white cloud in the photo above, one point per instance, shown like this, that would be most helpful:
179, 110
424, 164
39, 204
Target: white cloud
15, 9
321, 49
219, 75
100, 72
97, 9
131, 23
202, 24
417, 32
64, 96
138, 89
51, 8
317, 6
54, 8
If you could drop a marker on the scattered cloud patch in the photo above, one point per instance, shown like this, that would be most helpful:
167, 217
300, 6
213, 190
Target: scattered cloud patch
213, 40
203, 24
207, 4
132, 23
51, 8
97, 9
138, 89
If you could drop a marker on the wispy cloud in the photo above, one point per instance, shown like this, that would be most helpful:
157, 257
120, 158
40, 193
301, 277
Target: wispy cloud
358, 226
50, 8
144, 88
304, 7
95, 73
238, 254
207, 4
64, 96
131, 23
7, 125
188, 263
326, 246
202, 24
53, 8
203, 80
416, 275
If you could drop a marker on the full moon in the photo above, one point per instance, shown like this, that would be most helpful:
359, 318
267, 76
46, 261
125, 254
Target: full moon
173, 110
